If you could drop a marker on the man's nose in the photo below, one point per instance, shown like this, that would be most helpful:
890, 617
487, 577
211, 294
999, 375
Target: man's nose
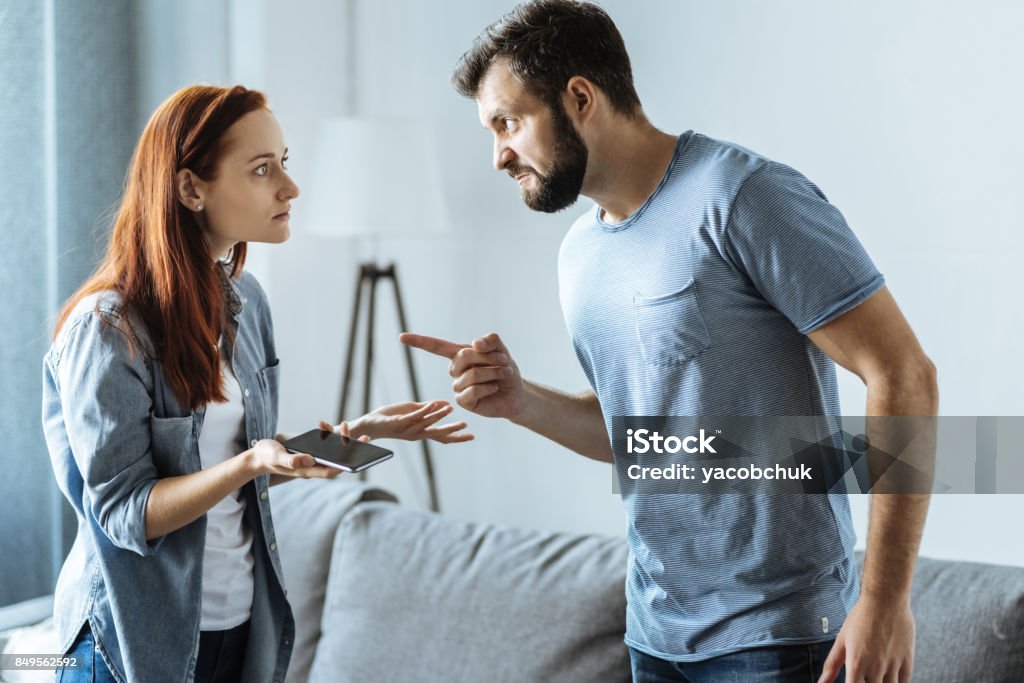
503, 154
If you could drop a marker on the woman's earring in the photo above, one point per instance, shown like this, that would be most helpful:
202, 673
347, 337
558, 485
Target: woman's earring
199, 207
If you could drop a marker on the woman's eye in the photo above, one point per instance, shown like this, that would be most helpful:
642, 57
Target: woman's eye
508, 123
284, 163
261, 170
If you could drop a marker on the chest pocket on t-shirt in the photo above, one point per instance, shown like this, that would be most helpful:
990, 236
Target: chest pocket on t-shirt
671, 327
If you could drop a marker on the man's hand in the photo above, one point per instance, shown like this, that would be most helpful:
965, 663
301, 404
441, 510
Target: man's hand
876, 643
487, 380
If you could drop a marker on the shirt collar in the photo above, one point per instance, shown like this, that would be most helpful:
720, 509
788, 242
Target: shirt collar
231, 296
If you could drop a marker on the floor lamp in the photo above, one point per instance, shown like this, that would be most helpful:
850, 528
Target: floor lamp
369, 274
377, 178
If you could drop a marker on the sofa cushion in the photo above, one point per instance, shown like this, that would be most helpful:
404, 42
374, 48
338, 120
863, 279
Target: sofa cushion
307, 513
413, 596
970, 621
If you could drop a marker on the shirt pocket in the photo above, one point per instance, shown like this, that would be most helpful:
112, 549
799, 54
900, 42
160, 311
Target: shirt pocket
269, 379
171, 445
671, 327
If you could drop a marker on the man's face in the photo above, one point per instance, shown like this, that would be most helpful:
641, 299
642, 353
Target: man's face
536, 145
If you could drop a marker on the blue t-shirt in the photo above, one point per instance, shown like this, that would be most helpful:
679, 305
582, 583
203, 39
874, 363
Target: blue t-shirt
698, 304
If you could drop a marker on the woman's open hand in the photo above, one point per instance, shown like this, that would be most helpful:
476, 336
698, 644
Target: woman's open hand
408, 421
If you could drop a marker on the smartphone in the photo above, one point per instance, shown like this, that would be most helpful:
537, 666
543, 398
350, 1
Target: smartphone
334, 450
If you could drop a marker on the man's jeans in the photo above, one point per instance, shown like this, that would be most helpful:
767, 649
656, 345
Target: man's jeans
780, 664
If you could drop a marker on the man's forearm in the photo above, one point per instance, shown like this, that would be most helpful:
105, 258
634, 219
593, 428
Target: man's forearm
572, 420
900, 425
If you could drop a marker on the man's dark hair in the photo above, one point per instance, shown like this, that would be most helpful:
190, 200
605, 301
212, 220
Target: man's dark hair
547, 42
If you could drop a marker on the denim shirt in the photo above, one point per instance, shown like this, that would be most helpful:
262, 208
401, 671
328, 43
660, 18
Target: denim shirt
114, 427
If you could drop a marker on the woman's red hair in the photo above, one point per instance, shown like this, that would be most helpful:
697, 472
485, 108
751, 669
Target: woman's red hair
158, 260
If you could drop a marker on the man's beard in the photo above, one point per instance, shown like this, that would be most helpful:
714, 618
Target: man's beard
560, 188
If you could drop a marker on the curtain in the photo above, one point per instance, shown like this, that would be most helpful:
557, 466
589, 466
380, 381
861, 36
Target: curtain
69, 118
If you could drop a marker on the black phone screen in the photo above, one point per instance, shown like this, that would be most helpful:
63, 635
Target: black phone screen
333, 449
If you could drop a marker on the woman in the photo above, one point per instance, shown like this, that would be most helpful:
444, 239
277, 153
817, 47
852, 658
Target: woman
160, 404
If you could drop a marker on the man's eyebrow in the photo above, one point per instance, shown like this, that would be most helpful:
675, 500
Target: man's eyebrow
500, 114
266, 155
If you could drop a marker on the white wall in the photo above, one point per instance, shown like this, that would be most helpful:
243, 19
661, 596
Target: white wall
905, 114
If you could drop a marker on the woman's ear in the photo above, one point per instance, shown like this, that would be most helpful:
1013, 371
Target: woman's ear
191, 189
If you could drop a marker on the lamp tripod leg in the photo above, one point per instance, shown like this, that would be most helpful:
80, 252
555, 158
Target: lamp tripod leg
428, 462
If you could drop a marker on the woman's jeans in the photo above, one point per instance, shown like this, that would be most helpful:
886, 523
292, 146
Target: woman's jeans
221, 654
784, 664
89, 666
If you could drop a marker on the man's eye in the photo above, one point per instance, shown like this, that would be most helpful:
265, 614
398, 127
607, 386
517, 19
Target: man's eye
284, 163
261, 170
508, 123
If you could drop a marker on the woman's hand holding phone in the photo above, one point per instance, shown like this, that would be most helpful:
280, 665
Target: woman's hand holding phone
268, 456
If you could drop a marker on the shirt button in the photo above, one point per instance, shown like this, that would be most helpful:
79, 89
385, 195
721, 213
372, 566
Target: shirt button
246, 392
253, 443
273, 546
263, 495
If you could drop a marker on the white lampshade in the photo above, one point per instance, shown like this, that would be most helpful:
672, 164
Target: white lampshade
378, 177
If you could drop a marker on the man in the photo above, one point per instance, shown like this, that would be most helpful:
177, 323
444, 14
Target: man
708, 280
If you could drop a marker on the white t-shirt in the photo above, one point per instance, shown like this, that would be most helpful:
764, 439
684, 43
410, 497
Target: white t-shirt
227, 559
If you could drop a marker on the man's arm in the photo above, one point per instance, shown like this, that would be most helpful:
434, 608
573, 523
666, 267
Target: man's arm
875, 342
571, 420
487, 382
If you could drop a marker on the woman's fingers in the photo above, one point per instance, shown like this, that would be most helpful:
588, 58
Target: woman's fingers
433, 417
323, 472
295, 461
447, 433
446, 429
454, 438
396, 409
415, 416
302, 466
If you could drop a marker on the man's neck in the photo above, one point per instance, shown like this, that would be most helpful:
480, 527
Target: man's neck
626, 170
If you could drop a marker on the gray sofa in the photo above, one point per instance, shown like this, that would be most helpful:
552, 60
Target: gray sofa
386, 594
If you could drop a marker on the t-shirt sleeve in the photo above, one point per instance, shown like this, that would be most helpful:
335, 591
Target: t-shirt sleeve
797, 249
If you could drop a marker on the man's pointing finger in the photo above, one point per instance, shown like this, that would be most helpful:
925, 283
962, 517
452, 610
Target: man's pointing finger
440, 347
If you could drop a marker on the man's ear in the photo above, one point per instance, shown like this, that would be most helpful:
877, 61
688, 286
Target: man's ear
580, 98
191, 189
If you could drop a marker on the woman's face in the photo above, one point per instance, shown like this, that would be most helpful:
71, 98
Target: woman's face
250, 197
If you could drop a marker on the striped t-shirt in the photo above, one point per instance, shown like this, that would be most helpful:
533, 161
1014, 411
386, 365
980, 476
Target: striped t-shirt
698, 305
